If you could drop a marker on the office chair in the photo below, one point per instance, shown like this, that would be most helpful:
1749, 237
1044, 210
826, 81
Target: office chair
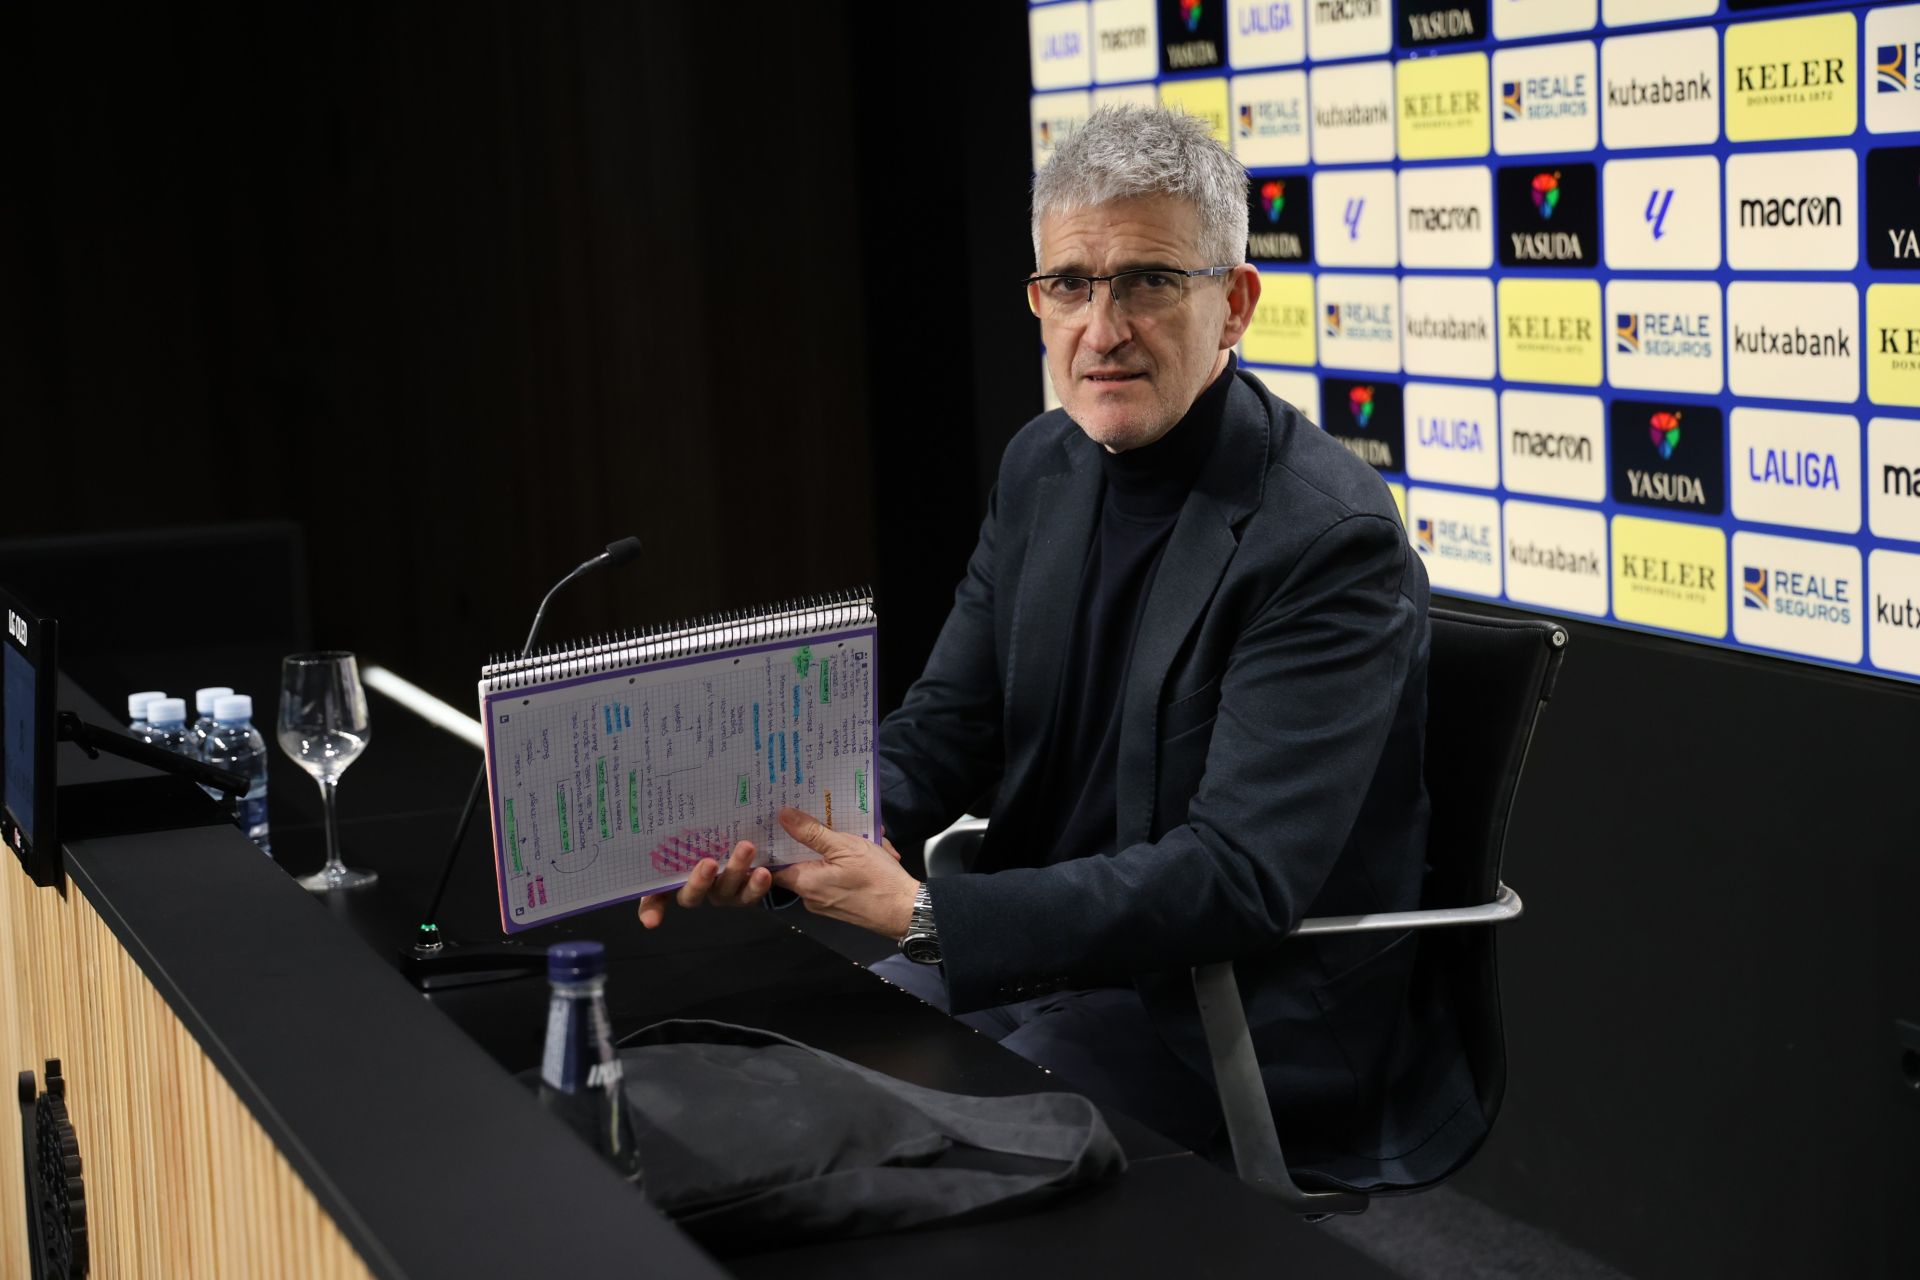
1487, 680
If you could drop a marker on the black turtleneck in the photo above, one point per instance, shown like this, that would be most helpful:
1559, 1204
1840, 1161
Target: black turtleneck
1144, 491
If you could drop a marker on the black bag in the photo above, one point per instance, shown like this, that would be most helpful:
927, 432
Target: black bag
750, 1140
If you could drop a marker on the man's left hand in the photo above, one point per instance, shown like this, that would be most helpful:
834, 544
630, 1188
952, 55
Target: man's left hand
856, 880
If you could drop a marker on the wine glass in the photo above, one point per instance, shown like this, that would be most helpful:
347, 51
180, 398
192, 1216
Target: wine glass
323, 726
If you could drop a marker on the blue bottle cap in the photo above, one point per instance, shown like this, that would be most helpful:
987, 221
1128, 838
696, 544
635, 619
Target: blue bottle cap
576, 961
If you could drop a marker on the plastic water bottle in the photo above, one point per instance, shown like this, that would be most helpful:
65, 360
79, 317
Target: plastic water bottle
203, 700
137, 724
167, 724
235, 744
580, 1072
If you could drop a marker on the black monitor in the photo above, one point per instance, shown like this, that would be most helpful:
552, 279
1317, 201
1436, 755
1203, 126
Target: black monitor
29, 676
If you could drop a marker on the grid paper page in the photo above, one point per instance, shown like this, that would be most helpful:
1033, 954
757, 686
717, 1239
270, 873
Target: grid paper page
613, 785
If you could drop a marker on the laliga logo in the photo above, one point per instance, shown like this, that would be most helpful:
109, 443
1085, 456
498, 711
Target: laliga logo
1658, 202
1191, 11
1360, 402
17, 627
1664, 431
1546, 192
1273, 198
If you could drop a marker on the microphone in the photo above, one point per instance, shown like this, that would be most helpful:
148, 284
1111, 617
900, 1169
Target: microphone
428, 957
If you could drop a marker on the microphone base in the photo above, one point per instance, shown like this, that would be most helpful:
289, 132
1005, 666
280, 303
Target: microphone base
435, 965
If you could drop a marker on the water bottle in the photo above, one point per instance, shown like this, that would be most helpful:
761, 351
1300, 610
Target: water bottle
235, 744
580, 1073
203, 700
137, 712
167, 724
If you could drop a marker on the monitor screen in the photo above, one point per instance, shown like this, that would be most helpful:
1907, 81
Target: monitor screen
20, 705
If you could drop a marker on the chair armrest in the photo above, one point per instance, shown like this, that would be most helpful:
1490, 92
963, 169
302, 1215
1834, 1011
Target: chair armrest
1506, 905
951, 851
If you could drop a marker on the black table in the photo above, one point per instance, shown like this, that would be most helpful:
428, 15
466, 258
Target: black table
1170, 1211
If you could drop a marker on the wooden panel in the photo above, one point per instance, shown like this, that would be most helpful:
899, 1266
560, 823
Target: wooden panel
180, 1178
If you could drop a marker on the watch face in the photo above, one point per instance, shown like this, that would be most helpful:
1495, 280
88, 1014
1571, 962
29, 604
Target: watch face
921, 949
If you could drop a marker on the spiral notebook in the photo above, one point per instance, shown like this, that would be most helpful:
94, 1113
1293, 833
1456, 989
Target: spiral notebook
614, 767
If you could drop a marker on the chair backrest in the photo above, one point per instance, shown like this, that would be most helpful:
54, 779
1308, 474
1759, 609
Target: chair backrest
1487, 680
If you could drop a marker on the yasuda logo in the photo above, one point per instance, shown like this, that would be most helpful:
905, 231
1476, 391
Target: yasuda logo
1273, 197
1546, 193
1664, 430
1626, 333
1753, 587
1191, 12
1893, 68
1360, 399
1510, 100
1423, 533
1333, 325
1659, 200
1355, 207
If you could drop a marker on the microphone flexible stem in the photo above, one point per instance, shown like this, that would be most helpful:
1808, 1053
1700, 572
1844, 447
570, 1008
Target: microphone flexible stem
480, 778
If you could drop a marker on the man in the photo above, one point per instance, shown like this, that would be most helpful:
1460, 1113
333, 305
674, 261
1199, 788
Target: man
1190, 653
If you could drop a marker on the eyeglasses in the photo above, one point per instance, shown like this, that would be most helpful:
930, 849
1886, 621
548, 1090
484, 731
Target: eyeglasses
1144, 292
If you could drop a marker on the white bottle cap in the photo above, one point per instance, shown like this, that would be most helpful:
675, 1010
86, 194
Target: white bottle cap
164, 711
137, 703
203, 699
235, 708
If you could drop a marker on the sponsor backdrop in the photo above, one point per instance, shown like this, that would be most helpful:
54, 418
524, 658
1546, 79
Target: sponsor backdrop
1622, 297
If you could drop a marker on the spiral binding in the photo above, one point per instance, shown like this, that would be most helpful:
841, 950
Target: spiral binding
689, 637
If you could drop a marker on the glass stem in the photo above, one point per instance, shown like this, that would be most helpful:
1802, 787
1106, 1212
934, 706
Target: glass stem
334, 864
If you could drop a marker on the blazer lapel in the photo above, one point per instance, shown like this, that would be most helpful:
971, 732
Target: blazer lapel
1202, 544
1066, 505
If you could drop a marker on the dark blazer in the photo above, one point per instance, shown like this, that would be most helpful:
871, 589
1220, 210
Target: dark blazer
1269, 770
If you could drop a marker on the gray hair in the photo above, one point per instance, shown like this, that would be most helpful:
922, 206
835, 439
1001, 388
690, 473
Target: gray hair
1132, 150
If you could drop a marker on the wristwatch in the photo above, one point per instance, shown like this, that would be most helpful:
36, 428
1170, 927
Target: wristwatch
921, 942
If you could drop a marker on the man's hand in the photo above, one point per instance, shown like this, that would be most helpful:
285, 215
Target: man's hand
856, 880
740, 884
